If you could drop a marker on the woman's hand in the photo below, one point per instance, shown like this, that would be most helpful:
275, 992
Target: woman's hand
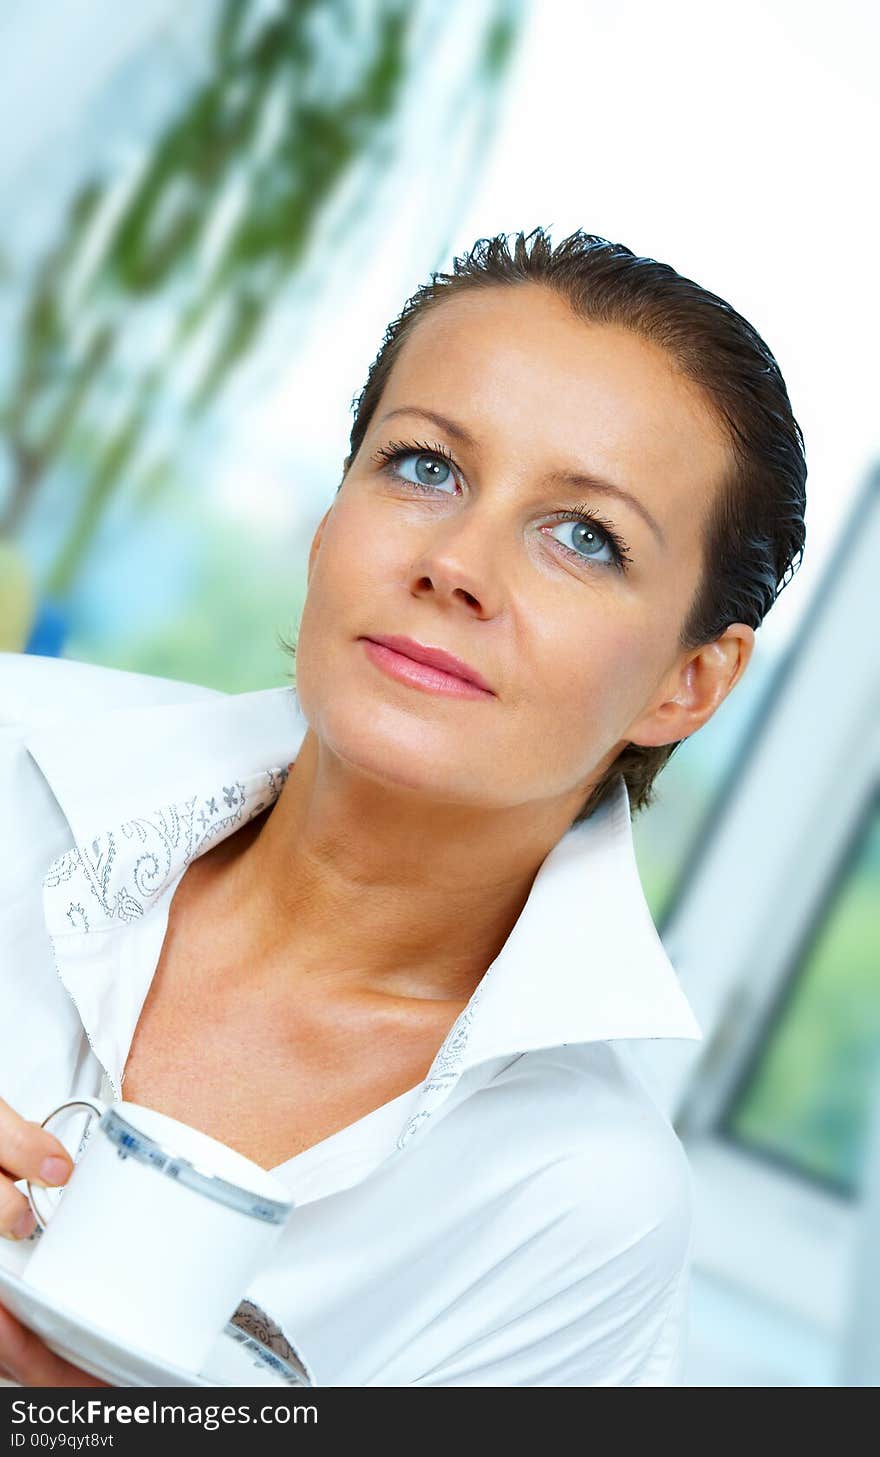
24, 1147
26, 1359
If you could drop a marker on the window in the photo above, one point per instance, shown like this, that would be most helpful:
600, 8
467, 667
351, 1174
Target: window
805, 1097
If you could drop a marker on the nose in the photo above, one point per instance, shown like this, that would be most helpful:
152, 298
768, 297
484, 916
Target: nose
456, 564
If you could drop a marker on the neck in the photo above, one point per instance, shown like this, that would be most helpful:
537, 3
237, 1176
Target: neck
348, 883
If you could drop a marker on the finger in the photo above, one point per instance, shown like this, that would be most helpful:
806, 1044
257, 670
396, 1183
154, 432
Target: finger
16, 1216
25, 1147
28, 1360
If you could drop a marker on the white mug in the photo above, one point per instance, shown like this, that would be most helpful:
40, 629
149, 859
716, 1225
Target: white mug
157, 1232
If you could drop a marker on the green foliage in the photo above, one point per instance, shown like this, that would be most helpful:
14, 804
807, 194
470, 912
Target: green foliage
205, 233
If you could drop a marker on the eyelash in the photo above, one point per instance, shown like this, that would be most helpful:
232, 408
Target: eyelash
395, 450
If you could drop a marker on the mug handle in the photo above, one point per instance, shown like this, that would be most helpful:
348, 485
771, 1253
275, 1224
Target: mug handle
95, 1106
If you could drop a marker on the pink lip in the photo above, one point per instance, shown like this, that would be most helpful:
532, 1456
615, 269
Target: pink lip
425, 667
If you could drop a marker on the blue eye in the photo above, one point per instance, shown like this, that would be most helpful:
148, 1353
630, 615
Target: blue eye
436, 463
588, 532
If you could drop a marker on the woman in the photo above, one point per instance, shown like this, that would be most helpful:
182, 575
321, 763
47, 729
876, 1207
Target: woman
399, 946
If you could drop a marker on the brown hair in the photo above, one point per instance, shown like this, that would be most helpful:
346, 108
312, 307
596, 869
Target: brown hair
755, 527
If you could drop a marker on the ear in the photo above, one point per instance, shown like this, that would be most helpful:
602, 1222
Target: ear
695, 688
316, 541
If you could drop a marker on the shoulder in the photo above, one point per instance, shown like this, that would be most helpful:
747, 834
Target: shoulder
585, 1105
581, 1190
34, 689
598, 1158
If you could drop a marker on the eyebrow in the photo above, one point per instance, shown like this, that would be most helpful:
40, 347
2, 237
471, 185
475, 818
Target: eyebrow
577, 481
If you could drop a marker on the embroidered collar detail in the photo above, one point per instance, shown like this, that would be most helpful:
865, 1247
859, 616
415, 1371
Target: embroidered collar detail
122, 873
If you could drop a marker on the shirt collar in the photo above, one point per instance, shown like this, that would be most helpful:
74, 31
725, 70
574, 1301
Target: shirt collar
146, 790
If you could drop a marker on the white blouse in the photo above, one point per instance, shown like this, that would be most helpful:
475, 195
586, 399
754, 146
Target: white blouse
522, 1216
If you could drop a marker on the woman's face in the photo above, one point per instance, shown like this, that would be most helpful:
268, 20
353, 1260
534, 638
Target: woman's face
460, 550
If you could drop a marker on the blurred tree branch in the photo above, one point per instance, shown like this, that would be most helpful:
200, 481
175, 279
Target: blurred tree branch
162, 277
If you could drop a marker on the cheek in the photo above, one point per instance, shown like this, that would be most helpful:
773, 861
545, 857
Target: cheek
352, 574
357, 550
597, 681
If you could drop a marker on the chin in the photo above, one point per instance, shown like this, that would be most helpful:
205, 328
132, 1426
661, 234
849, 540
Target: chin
401, 758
